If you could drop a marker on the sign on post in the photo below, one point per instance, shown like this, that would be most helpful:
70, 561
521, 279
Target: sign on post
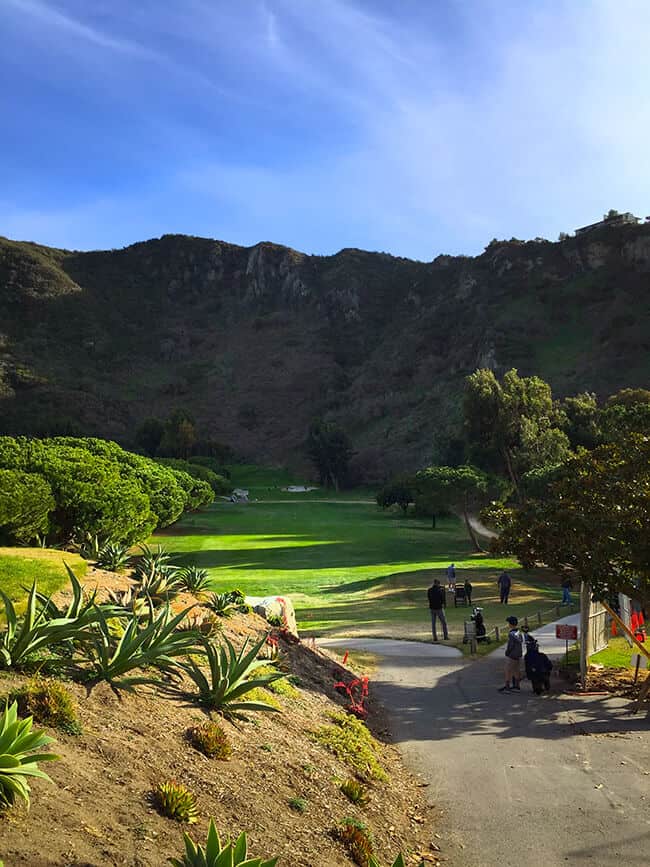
566, 632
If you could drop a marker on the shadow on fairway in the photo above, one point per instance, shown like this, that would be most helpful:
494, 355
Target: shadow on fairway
465, 703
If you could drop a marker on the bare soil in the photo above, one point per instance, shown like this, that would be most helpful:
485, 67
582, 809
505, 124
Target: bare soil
98, 811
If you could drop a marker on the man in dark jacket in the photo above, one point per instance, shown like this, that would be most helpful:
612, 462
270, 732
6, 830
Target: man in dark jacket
437, 602
504, 583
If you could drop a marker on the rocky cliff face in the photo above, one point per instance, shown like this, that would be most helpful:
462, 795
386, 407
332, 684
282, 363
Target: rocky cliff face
257, 341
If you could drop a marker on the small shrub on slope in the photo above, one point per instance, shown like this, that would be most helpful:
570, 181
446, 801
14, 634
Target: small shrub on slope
176, 802
20, 751
349, 740
354, 791
210, 739
281, 686
357, 840
232, 854
49, 703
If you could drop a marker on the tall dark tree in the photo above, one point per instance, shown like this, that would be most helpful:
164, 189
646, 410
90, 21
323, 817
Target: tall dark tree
180, 435
513, 426
330, 450
148, 436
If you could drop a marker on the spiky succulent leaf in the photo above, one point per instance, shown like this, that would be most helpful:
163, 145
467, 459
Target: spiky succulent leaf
18, 756
215, 855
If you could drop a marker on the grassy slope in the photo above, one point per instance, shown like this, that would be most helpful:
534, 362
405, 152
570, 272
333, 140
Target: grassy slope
348, 567
618, 654
20, 566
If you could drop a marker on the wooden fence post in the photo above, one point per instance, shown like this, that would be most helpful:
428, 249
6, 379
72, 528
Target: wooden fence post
496, 632
585, 600
539, 618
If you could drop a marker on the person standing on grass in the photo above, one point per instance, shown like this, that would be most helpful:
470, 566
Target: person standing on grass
504, 583
468, 591
437, 602
567, 587
514, 654
451, 577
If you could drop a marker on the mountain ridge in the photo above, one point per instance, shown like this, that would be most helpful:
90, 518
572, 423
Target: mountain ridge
257, 341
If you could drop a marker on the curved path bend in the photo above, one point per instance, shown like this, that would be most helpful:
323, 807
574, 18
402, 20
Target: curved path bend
525, 781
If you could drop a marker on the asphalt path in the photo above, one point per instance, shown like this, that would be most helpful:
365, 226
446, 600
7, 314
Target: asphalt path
523, 780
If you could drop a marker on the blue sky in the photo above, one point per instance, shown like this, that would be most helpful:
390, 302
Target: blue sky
415, 127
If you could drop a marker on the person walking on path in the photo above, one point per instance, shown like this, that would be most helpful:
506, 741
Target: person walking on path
468, 591
514, 654
437, 602
567, 587
504, 583
451, 577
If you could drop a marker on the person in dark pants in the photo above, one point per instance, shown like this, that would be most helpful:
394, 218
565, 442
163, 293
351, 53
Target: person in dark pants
468, 591
567, 587
504, 583
437, 602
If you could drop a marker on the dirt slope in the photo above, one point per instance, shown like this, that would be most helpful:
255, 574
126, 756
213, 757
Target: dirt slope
98, 811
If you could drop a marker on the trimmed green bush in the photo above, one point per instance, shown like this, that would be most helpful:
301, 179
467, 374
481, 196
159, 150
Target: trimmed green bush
349, 740
25, 504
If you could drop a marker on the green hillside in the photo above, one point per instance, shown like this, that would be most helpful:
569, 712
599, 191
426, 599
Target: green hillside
258, 341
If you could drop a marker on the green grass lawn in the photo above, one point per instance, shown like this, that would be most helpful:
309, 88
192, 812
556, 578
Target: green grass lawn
349, 568
20, 566
266, 483
618, 654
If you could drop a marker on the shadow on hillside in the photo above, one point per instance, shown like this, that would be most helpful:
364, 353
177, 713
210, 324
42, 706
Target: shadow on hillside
465, 702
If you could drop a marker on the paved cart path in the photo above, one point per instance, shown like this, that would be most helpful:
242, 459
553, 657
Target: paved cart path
525, 780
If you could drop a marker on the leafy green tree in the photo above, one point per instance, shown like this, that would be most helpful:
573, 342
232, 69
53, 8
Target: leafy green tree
513, 426
25, 504
629, 397
330, 450
220, 485
464, 490
179, 437
581, 420
148, 436
396, 493
591, 520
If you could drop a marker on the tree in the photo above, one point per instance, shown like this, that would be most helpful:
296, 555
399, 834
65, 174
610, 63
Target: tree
25, 504
629, 397
180, 435
399, 492
330, 450
463, 490
582, 420
512, 426
591, 521
148, 436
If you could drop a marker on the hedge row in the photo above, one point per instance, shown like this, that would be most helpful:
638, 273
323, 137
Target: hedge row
65, 487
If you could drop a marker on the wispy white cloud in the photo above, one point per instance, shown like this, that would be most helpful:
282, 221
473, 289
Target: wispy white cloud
413, 133
50, 16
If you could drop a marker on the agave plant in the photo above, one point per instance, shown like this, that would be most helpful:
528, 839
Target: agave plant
89, 545
157, 577
38, 630
113, 556
221, 604
129, 601
232, 854
230, 676
193, 579
80, 604
157, 643
398, 862
20, 751
176, 802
